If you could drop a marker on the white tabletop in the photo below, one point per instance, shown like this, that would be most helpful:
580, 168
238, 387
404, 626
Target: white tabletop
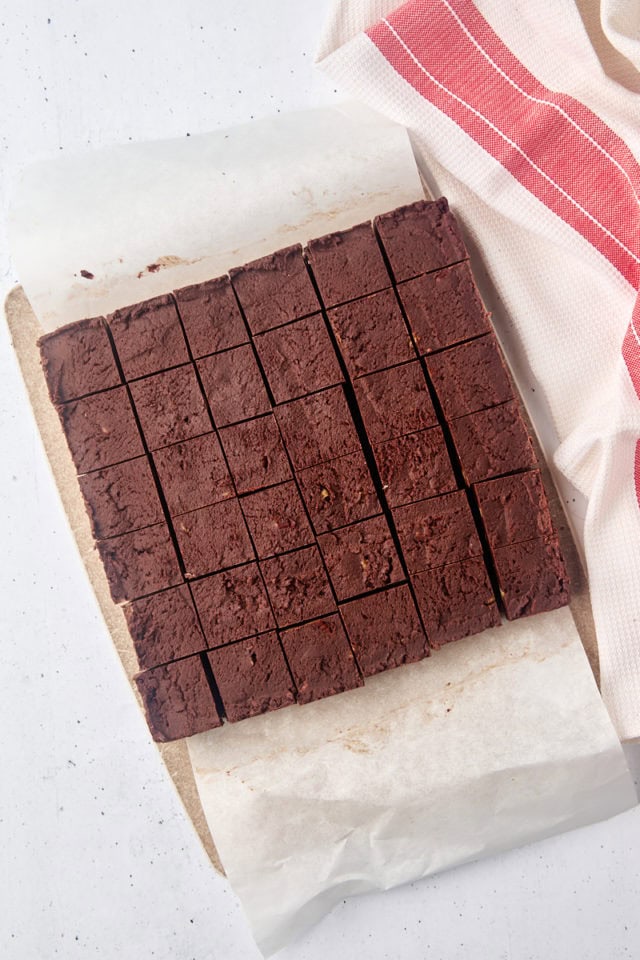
98, 858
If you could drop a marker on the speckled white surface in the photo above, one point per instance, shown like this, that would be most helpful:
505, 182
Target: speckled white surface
97, 858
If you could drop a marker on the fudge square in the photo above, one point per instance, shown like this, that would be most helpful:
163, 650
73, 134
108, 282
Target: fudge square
437, 531
170, 406
275, 289
420, 237
77, 360
277, 519
414, 467
211, 316
193, 474
320, 658
394, 402
164, 627
492, 442
371, 333
232, 605
140, 562
148, 337
297, 586
456, 601
347, 264
471, 376
514, 508
384, 630
252, 677
255, 454
177, 699
298, 358
234, 386
339, 492
317, 428
361, 557
443, 308
532, 577
101, 430
212, 538
121, 498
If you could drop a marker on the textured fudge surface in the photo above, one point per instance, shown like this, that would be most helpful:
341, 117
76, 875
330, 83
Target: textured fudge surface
234, 386
121, 498
213, 538
514, 508
297, 586
170, 407
277, 519
347, 264
78, 360
255, 454
415, 466
492, 442
443, 308
101, 430
371, 333
321, 659
252, 677
148, 337
395, 402
275, 289
298, 358
193, 474
456, 601
384, 630
140, 562
420, 237
177, 699
361, 557
339, 492
164, 627
532, 577
232, 605
211, 316
317, 428
470, 377
437, 531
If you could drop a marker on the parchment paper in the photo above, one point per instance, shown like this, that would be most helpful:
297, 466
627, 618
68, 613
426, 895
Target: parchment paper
493, 741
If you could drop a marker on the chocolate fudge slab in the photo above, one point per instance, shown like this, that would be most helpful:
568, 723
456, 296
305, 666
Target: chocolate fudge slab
252, 677
471, 376
493, 442
514, 508
456, 601
78, 360
347, 264
443, 308
101, 430
234, 386
164, 627
371, 333
297, 586
121, 498
275, 289
170, 407
211, 316
395, 402
317, 428
140, 562
415, 467
321, 659
277, 519
298, 358
339, 492
193, 474
148, 337
232, 605
420, 237
212, 538
255, 454
384, 630
360, 558
177, 699
437, 531
532, 577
